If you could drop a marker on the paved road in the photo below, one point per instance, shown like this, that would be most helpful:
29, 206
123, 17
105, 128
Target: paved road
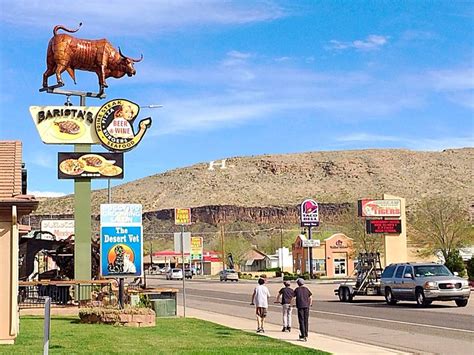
442, 328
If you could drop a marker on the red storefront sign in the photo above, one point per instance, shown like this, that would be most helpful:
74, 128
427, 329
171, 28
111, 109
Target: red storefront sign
385, 226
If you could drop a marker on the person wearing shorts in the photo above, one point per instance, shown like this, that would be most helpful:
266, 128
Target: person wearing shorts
260, 297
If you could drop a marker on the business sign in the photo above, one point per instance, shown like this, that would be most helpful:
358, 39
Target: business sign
121, 240
379, 208
385, 226
186, 242
182, 216
114, 125
196, 248
65, 124
309, 213
90, 165
311, 243
60, 228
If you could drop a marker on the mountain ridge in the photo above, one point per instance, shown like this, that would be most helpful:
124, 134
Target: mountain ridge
281, 180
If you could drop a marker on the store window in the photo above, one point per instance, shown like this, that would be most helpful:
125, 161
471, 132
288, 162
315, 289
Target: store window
339, 267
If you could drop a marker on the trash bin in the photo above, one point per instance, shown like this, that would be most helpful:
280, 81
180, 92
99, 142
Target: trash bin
164, 307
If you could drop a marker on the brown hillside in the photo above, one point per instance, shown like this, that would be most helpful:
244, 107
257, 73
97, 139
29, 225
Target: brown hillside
285, 180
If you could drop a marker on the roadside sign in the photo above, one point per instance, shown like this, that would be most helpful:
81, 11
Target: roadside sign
182, 216
311, 243
121, 240
90, 165
385, 226
60, 228
196, 248
186, 242
379, 208
309, 213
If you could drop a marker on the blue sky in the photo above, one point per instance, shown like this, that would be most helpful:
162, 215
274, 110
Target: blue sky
240, 78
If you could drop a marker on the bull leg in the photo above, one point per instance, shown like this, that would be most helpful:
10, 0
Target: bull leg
71, 74
59, 69
49, 71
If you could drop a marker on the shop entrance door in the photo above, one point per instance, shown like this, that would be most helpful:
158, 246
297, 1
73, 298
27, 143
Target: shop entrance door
340, 267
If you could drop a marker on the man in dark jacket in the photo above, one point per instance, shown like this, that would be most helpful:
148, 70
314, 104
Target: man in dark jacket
304, 300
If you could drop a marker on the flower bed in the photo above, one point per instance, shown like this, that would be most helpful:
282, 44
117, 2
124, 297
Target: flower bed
127, 317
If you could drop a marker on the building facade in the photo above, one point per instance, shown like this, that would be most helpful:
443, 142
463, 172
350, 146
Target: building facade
333, 258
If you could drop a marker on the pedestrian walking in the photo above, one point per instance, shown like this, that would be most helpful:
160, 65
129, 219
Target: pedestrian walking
286, 294
260, 300
304, 300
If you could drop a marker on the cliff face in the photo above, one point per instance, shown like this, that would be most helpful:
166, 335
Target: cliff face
267, 188
215, 215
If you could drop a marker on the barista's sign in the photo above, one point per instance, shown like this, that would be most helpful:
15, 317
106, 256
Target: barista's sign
65, 124
110, 125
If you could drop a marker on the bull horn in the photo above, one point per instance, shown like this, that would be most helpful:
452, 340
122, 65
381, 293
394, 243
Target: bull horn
132, 59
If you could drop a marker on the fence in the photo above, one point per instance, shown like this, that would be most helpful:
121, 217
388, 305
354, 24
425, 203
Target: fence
66, 293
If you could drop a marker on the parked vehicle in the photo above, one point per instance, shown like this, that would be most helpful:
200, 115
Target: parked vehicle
174, 274
423, 283
188, 273
165, 270
229, 274
154, 269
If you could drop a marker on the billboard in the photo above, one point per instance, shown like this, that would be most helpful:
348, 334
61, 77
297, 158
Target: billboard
196, 248
182, 216
60, 228
379, 208
309, 213
65, 124
385, 226
121, 240
90, 165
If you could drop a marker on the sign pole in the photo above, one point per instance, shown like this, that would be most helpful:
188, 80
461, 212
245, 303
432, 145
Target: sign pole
310, 252
183, 271
47, 324
82, 219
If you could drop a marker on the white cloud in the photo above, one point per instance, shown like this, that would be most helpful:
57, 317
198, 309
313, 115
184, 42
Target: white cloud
235, 58
372, 42
426, 144
122, 17
46, 193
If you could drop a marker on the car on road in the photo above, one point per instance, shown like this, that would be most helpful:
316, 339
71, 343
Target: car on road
174, 274
188, 273
154, 269
423, 283
229, 275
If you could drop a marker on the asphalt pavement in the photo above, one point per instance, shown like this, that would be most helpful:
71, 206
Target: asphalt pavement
442, 328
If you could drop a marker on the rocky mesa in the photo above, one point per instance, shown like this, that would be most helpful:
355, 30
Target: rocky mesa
276, 181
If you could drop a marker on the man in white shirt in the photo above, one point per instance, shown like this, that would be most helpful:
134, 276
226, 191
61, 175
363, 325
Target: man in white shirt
260, 298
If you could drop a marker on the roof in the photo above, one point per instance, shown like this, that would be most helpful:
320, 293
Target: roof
10, 169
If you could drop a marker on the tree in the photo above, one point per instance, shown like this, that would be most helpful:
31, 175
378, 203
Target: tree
470, 269
354, 227
235, 244
441, 224
455, 263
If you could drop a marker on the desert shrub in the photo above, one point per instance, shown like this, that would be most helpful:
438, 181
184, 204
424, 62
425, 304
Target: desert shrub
455, 263
470, 269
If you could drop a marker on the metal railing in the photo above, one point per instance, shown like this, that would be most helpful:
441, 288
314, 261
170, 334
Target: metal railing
66, 293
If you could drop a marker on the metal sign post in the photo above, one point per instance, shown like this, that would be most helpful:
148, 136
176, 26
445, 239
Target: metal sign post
183, 271
47, 324
182, 217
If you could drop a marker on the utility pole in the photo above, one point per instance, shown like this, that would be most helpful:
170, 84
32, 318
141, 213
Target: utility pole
222, 247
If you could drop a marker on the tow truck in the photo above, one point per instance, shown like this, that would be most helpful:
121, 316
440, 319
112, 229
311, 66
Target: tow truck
368, 271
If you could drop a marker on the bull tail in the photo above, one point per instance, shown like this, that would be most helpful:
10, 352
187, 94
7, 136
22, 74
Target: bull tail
61, 27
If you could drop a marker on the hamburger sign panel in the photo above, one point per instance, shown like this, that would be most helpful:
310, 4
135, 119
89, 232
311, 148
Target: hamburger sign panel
379, 208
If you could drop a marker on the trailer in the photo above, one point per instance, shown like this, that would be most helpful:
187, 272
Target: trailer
368, 271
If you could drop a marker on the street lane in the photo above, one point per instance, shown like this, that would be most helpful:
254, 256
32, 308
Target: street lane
443, 328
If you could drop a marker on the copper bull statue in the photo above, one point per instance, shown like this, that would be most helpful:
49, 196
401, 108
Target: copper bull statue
67, 53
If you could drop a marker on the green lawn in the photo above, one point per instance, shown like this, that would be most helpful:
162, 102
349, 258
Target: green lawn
171, 335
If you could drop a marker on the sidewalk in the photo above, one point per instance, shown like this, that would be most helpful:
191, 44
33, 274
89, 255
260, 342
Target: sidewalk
315, 341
